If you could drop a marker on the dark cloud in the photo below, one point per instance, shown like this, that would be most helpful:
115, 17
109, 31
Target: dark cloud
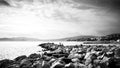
111, 6
103, 8
112, 27
3, 2
102, 3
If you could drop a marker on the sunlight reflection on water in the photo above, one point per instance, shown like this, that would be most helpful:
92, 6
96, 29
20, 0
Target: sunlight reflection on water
10, 50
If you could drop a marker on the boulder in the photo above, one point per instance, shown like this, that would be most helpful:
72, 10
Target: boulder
6, 63
25, 63
34, 56
19, 58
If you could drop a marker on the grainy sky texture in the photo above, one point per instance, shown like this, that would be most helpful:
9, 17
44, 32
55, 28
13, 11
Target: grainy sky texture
52, 19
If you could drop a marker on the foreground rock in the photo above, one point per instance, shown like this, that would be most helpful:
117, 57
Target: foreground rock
59, 56
50, 46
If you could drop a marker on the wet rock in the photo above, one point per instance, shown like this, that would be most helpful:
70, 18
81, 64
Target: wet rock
14, 66
49, 46
6, 63
26, 63
117, 52
75, 60
59, 55
19, 58
46, 64
52, 61
34, 56
59, 66
37, 64
66, 60
70, 65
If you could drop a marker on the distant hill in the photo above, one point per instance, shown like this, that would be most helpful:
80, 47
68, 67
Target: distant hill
109, 37
19, 39
113, 37
34, 39
75, 38
78, 38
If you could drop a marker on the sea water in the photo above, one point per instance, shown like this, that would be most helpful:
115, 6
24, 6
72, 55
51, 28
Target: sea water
13, 49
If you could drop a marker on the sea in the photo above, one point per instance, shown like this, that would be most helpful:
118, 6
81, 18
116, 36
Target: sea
13, 49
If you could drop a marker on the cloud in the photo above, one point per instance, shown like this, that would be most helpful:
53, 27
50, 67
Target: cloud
108, 10
102, 3
58, 19
3, 3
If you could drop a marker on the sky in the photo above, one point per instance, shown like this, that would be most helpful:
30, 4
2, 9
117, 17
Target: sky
53, 19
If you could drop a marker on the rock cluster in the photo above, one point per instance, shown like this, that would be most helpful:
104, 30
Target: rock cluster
59, 56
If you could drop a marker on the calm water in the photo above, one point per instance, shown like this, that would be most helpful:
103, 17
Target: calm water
10, 50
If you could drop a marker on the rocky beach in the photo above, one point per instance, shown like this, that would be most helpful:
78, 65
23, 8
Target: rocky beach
52, 55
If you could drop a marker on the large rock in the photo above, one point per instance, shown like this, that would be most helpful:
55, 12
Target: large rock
6, 63
26, 63
34, 56
19, 58
49, 46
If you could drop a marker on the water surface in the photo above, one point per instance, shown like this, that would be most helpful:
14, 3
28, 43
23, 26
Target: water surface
12, 49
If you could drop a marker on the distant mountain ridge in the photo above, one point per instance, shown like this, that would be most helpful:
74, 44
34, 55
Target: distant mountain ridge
19, 39
35, 39
75, 38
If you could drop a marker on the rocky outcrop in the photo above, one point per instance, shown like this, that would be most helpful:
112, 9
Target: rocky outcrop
97, 56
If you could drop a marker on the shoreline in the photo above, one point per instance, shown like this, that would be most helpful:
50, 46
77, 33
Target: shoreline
65, 54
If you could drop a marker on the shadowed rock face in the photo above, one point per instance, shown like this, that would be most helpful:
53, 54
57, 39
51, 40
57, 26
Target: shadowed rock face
33, 56
49, 46
19, 58
6, 63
